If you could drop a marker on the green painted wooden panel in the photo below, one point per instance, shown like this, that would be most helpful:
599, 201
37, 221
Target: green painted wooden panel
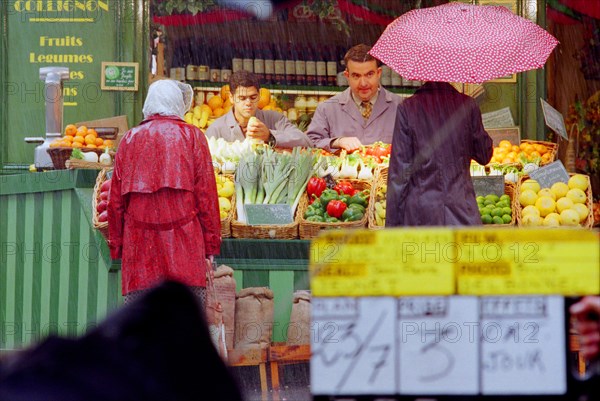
301, 280
282, 284
52, 278
238, 276
256, 278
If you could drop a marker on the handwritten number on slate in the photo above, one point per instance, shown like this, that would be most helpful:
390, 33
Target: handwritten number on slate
361, 347
445, 354
385, 351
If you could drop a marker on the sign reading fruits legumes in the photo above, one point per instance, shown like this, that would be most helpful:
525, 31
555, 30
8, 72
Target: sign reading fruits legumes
77, 34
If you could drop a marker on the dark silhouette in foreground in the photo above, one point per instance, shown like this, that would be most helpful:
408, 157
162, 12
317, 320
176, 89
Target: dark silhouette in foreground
156, 348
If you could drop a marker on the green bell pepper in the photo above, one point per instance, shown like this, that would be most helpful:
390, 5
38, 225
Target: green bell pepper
356, 206
327, 196
316, 218
313, 211
360, 198
317, 204
330, 219
344, 198
352, 214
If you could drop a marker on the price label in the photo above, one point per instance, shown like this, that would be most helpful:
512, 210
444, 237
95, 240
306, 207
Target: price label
384, 262
550, 174
119, 76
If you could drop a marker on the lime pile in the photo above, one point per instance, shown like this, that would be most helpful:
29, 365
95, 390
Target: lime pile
563, 204
495, 209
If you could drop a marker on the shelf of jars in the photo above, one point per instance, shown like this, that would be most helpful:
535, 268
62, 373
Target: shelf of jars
294, 89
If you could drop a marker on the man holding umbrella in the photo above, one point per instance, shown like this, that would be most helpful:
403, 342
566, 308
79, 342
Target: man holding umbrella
439, 130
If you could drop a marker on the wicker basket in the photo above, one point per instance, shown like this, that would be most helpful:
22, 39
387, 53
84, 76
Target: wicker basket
82, 164
266, 231
100, 226
510, 190
226, 222
381, 177
311, 229
552, 149
60, 155
587, 223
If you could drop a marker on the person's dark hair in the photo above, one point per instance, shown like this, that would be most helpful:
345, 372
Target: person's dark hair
243, 78
359, 54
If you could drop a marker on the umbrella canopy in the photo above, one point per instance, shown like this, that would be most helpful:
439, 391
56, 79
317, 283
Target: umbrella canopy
458, 42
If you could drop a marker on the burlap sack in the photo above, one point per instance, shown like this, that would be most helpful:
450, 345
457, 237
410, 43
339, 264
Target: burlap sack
298, 332
254, 318
225, 288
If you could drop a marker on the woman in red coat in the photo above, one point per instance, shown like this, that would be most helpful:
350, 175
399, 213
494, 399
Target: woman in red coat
163, 211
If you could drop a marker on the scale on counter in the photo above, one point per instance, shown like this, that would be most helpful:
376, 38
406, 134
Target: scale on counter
53, 78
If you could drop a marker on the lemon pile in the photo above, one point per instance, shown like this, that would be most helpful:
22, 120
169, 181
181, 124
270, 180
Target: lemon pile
563, 204
225, 190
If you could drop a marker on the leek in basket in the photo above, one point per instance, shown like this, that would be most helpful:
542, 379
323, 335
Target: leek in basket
273, 178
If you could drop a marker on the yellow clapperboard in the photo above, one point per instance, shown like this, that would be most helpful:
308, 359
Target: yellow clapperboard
446, 261
447, 311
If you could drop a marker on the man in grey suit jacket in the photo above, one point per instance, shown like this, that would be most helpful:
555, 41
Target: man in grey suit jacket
362, 114
269, 126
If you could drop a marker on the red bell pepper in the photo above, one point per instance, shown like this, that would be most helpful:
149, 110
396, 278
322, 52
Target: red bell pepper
335, 208
315, 186
344, 187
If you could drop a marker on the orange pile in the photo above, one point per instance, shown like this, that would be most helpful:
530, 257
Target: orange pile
81, 137
506, 153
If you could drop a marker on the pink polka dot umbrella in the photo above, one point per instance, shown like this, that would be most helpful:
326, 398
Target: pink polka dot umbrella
458, 42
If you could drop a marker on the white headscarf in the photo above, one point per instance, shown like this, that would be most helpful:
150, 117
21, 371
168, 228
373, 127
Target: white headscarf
168, 98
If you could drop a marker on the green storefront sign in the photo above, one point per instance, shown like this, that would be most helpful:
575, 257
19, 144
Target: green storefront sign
80, 35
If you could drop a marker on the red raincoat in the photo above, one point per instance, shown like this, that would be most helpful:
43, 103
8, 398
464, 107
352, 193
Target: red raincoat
163, 211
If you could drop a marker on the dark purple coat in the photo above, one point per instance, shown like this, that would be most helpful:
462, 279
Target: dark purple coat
438, 131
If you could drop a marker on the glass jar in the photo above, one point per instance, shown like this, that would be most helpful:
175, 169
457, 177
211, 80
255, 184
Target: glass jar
300, 104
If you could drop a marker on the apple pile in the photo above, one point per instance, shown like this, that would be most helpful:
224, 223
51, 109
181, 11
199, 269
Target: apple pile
101, 208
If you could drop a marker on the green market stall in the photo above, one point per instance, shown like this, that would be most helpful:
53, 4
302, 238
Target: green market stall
59, 277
